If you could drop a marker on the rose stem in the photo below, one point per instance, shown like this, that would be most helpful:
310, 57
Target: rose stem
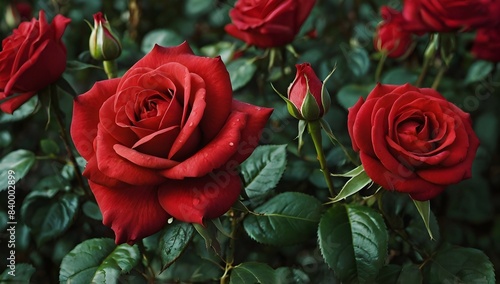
439, 76
110, 68
314, 128
230, 253
64, 136
380, 66
429, 54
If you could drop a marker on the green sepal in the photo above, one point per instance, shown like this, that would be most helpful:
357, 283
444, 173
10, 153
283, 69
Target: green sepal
302, 129
353, 185
326, 100
292, 109
424, 209
310, 109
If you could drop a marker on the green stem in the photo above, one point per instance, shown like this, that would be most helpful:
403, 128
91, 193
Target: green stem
230, 253
439, 76
65, 138
110, 68
380, 66
314, 128
429, 54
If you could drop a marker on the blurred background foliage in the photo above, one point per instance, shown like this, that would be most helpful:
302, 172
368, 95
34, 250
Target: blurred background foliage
338, 33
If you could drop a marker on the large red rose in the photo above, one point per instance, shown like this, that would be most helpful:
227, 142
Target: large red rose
269, 23
164, 141
487, 44
390, 37
423, 16
412, 140
31, 58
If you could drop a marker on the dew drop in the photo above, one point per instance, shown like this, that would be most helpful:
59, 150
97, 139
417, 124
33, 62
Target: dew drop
191, 124
170, 220
231, 144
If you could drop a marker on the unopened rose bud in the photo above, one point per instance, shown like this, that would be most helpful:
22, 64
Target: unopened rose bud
17, 12
390, 37
308, 96
103, 43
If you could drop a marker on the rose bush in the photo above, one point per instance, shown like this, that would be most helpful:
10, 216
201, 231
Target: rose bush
423, 16
268, 23
390, 37
412, 139
31, 58
164, 140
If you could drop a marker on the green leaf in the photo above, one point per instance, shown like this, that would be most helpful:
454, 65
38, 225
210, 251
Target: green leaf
424, 209
350, 94
478, 71
408, 274
352, 173
47, 214
25, 110
288, 275
75, 65
5, 139
399, 76
241, 72
91, 210
262, 171
251, 273
21, 274
173, 242
49, 147
98, 261
197, 7
163, 37
209, 234
358, 61
285, 219
15, 164
353, 185
460, 265
66, 87
353, 241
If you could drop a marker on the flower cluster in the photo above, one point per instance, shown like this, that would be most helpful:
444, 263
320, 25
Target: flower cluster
394, 33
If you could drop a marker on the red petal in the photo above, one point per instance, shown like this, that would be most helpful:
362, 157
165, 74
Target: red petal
132, 212
213, 155
195, 199
351, 119
86, 115
256, 118
11, 105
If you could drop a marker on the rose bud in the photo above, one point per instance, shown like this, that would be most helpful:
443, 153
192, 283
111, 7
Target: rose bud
390, 37
308, 98
103, 43
18, 12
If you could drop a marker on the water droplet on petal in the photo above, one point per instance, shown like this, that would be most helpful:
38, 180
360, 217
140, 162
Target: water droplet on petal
231, 144
170, 220
191, 124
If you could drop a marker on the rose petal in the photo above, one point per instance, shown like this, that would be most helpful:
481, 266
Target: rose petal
143, 160
157, 143
12, 104
208, 197
132, 212
351, 119
93, 173
214, 154
115, 166
86, 115
256, 119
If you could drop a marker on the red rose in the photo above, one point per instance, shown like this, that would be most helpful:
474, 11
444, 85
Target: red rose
487, 44
164, 141
412, 140
390, 37
31, 58
423, 16
307, 95
268, 23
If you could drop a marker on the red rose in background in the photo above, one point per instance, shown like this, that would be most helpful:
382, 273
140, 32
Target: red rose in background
164, 140
423, 16
487, 44
390, 37
31, 58
270, 23
412, 140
